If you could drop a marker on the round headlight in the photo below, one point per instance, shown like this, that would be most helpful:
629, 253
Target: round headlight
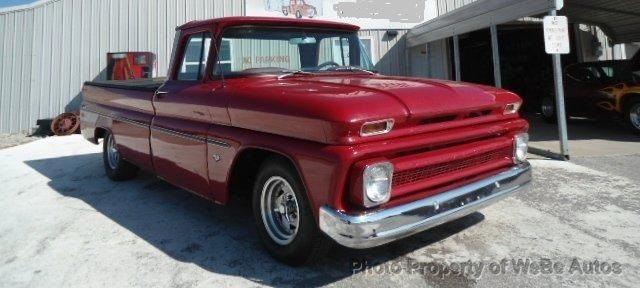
377, 183
521, 145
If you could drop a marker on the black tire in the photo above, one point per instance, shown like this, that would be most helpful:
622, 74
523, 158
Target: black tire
285, 12
308, 244
298, 14
117, 169
632, 115
313, 13
548, 110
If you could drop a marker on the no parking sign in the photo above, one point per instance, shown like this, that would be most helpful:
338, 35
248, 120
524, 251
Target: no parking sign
556, 35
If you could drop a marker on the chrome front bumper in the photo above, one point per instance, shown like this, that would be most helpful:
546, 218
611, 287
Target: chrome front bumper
386, 225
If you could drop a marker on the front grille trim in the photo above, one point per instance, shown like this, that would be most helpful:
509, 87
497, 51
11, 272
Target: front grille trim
415, 175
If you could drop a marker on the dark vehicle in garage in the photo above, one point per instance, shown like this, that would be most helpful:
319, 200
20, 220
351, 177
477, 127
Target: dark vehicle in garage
600, 90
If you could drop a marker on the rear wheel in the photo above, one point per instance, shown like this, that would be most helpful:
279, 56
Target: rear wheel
283, 215
117, 169
298, 14
285, 12
313, 13
633, 115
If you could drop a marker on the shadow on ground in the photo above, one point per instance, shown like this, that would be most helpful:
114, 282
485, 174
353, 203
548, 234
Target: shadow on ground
220, 239
581, 129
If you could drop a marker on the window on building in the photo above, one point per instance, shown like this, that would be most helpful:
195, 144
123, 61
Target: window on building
195, 57
367, 47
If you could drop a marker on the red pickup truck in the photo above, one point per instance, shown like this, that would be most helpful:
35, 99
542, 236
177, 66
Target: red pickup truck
292, 112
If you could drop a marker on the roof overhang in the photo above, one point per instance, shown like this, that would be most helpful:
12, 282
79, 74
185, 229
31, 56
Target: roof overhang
620, 19
477, 15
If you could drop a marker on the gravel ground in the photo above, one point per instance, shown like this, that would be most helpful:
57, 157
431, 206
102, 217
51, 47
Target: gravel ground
63, 223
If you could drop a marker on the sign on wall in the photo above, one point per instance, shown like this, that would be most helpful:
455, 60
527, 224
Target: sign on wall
368, 14
556, 35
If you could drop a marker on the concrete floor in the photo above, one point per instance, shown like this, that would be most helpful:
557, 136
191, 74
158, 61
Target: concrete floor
587, 138
63, 223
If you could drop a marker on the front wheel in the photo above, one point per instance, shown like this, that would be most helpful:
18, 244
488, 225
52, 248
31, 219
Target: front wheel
283, 215
117, 169
633, 115
313, 13
298, 14
548, 110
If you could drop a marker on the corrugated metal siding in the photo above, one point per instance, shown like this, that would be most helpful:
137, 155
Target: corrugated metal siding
49, 50
390, 52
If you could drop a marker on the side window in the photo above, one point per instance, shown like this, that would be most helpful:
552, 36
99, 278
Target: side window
594, 73
583, 74
195, 57
608, 71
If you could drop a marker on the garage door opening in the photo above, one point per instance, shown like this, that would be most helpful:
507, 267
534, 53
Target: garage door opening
527, 70
525, 67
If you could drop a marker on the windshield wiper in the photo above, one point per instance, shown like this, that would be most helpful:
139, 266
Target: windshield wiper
293, 73
353, 68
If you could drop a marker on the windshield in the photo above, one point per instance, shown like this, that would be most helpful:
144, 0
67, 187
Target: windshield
264, 50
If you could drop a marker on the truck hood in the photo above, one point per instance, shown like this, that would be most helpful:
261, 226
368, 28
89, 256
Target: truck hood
420, 97
345, 102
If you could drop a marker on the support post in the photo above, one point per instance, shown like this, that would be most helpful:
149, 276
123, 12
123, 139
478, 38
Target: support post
456, 57
560, 109
497, 74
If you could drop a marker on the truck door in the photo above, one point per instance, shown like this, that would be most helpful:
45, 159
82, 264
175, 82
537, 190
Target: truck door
184, 112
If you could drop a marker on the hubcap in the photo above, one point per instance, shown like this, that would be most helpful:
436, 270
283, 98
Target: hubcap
279, 209
634, 116
112, 153
547, 107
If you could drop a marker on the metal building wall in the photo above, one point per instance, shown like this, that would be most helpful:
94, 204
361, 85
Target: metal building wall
47, 50
390, 51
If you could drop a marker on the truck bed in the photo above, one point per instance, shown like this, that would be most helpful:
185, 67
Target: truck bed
138, 84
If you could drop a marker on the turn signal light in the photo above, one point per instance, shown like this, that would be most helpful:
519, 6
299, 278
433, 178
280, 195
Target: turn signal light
376, 127
512, 108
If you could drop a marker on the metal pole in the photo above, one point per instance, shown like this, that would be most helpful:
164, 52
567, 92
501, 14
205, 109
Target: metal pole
560, 111
497, 74
428, 47
456, 57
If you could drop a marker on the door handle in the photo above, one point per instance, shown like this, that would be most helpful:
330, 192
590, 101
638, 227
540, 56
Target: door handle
161, 94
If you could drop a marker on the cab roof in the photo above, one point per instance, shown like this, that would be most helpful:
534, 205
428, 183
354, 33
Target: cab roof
268, 21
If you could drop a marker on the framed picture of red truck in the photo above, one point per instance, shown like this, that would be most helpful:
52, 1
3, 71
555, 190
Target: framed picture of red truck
299, 8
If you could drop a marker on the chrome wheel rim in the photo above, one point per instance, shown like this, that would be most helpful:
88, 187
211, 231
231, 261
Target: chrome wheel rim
547, 107
634, 116
280, 210
112, 153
